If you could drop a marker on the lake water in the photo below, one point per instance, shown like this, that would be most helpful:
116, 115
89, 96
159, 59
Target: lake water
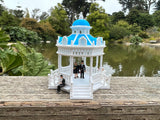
119, 60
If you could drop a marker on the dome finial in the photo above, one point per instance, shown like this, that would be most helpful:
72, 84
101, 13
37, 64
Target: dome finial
81, 15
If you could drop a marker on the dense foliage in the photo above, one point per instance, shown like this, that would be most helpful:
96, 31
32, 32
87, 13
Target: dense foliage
98, 20
74, 7
22, 34
143, 5
59, 20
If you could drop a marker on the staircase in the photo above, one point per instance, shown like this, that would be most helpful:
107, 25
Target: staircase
81, 92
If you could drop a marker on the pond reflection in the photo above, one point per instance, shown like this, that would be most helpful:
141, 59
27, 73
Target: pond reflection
119, 60
133, 60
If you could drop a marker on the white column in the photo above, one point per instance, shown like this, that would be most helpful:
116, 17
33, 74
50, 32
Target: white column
101, 61
59, 62
71, 65
91, 66
97, 58
84, 58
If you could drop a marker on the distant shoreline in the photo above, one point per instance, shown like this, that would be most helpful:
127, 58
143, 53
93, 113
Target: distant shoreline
145, 44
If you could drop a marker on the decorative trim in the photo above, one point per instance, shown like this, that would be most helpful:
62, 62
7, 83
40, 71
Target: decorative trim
80, 41
64, 40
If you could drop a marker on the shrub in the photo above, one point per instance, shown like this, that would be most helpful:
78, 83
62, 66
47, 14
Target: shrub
143, 35
22, 34
136, 40
118, 32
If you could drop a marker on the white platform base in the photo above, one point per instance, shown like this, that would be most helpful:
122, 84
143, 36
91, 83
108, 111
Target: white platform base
82, 88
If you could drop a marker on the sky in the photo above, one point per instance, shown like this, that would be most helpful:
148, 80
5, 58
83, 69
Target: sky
110, 5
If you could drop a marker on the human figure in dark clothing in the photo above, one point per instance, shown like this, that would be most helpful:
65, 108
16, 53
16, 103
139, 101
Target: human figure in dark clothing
82, 69
62, 84
75, 70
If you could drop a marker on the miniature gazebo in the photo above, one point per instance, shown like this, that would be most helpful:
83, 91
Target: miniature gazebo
84, 46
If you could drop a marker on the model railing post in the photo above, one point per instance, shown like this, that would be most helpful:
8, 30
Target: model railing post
71, 89
71, 66
101, 61
90, 75
84, 58
97, 57
59, 62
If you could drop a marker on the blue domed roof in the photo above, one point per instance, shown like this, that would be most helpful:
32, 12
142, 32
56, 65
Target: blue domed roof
81, 22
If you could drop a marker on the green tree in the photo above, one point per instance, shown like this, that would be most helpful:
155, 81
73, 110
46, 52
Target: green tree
44, 29
145, 21
135, 29
33, 25
2, 8
8, 19
99, 22
120, 30
133, 16
142, 19
116, 16
95, 7
117, 32
143, 5
74, 7
59, 20
19, 13
156, 17
49, 33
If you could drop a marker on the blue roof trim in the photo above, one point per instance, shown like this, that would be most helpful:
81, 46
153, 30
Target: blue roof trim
60, 40
73, 36
92, 39
78, 37
81, 22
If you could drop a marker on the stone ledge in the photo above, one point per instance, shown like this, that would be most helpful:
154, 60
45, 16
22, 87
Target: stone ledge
76, 103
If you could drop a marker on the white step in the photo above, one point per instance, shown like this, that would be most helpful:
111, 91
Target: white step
82, 97
81, 91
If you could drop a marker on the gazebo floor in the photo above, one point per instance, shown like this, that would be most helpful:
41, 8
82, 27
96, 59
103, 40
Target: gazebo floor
80, 81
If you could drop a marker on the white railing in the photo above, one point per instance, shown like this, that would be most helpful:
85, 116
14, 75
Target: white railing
53, 79
94, 70
97, 78
100, 77
91, 84
65, 70
71, 88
